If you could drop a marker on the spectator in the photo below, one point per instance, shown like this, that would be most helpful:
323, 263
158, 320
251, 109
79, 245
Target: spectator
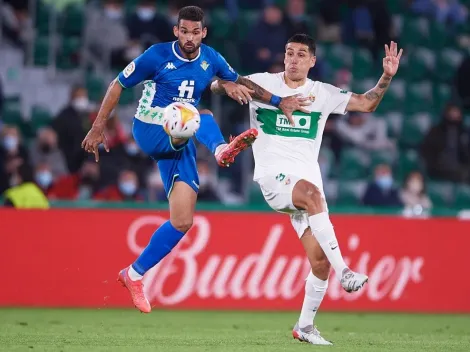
12, 155
82, 185
446, 12
329, 24
46, 151
207, 183
25, 194
296, 17
15, 23
137, 161
71, 126
44, 177
461, 84
413, 194
363, 131
266, 41
156, 192
446, 147
107, 36
147, 27
127, 189
381, 192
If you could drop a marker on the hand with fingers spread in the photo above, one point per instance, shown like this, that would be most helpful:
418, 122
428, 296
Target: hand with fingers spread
294, 103
93, 139
238, 92
391, 60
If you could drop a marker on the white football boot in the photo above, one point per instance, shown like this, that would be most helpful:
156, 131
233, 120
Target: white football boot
352, 281
309, 334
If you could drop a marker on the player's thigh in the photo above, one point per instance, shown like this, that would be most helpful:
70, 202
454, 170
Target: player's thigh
182, 205
307, 196
317, 258
277, 191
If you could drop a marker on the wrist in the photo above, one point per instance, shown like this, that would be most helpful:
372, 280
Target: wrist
386, 76
275, 100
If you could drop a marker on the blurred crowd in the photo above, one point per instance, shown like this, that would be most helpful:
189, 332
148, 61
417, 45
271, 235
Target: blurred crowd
55, 162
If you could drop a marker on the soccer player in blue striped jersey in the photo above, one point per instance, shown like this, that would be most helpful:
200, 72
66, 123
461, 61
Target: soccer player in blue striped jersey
178, 71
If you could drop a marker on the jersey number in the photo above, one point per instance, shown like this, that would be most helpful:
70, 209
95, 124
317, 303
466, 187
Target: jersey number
186, 89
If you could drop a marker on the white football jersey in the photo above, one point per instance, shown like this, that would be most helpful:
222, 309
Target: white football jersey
282, 148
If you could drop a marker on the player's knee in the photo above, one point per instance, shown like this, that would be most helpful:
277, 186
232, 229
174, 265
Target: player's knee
321, 267
205, 112
182, 224
314, 199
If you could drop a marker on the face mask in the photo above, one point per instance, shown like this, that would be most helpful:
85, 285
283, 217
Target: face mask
88, 180
84, 192
127, 188
415, 186
145, 14
113, 14
45, 148
10, 143
132, 149
385, 181
81, 104
44, 178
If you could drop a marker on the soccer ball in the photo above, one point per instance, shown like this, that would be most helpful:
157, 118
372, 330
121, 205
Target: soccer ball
181, 120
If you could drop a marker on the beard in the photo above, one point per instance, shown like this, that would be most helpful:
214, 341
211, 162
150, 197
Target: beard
189, 51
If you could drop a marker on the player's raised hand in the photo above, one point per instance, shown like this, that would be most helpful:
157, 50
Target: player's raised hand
93, 139
391, 60
294, 103
238, 92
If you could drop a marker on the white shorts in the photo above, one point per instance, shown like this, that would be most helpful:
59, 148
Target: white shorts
277, 191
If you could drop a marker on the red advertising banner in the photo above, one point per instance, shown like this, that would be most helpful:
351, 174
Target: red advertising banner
71, 258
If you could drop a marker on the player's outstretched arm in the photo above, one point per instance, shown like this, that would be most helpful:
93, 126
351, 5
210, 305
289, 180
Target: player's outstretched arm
96, 134
369, 101
236, 90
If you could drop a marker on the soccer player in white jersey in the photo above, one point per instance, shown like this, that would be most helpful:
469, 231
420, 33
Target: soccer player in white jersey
286, 162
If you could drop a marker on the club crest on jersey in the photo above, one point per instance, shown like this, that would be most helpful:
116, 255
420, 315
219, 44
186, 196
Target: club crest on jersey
204, 65
129, 69
311, 97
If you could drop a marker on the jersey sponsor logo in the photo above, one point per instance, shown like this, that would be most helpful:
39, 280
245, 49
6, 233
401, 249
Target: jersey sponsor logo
342, 91
186, 90
204, 65
274, 122
170, 66
129, 69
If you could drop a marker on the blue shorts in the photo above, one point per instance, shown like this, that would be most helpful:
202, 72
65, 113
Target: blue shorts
176, 163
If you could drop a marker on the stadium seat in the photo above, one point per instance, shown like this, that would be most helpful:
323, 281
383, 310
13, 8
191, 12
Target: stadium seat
351, 192
394, 123
440, 36
40, 117
414, 129
41, 51
462, 197
245, 22
69, 52
415, 31
72, 21
442, 93
393, 100
42, 18
418, 98
127, 97
420, 65
220, 24
408, 161
382, 157
11, 111
363, 64
96, 88
441, 193
448, 62
354, 164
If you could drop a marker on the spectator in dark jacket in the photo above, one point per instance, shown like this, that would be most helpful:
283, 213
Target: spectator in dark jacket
381, 192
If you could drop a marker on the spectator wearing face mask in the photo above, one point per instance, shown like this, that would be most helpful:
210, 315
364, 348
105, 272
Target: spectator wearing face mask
71, 126
12, 155
147, 27
136, 160
207, 183
413, 194
381, 192
82, 185
44, 177
126, 189
446, 148
46, 151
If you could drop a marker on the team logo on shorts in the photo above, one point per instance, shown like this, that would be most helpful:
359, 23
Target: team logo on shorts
129, 69
204, 65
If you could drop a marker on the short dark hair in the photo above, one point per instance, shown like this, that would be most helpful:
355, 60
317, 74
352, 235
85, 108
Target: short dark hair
304, 39
191, 13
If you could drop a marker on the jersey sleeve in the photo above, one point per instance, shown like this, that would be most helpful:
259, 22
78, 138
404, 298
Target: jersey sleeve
338, 99
224, 70
258, 78
140, 69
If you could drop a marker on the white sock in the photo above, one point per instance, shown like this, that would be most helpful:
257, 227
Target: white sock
134, 275
315, 290
322, 229
217, 150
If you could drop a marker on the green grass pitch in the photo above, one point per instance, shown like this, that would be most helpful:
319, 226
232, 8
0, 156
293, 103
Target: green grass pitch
188, 331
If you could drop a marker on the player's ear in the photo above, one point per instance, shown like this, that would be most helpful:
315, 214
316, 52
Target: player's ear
175, 31
313, 61
204, 32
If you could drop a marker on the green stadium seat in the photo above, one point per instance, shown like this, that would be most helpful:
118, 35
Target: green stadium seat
337, 56
415, 31
393, 100
441, 193
245, 23
418, 98
221, 27
41, 51
69, 52
382, 157
351, 192
354, 164
11, 113
462, 197
363, 64
440, 37
72, 20
96, 88
394, 121
448, 62
127, 97
408, 161
40, 117
420, 64
442, 93
42, 18
255, 195
414, 129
